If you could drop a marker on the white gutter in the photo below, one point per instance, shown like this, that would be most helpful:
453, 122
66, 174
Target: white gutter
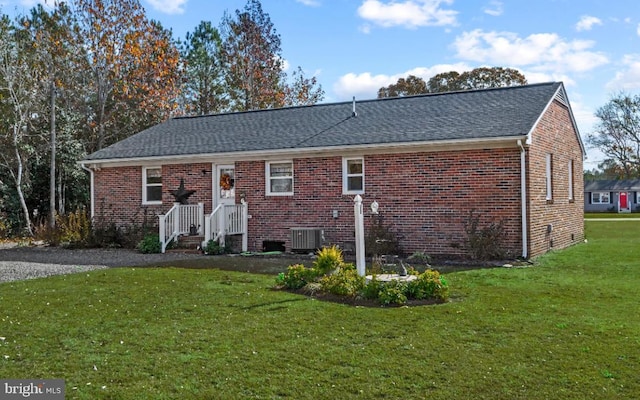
265, 155
91, 179
523, 199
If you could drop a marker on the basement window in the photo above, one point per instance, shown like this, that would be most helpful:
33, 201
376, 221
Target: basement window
151, 185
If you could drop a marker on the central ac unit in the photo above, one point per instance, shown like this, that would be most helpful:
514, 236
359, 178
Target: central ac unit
306, 239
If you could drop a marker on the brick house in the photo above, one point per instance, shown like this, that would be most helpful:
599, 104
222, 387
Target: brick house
510, 154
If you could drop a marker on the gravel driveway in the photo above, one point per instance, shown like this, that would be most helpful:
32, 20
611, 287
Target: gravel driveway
18, 263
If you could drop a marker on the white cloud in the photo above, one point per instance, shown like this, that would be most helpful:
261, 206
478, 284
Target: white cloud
408, 13
495, 8
535, 76
168, 6
587, 22
310, 3
629, 78
366, 28
548, 52
366, 85
638, 30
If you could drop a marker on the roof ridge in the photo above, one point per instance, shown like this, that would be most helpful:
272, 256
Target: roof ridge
350, 102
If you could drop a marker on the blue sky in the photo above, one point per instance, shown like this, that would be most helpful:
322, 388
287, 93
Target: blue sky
354, 47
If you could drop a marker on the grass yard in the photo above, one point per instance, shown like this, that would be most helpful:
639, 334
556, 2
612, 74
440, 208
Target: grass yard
567, 328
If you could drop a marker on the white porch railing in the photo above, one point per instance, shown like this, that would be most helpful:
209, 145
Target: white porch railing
227, 220
179, 220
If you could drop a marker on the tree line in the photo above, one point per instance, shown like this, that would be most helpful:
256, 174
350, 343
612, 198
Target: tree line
83, 74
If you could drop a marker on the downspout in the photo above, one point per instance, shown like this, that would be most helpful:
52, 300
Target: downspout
91, 184
523, 199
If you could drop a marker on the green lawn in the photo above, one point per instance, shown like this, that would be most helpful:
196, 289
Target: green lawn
567, 328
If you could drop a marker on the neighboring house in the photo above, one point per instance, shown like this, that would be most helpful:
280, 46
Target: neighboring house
509, 154
612, 195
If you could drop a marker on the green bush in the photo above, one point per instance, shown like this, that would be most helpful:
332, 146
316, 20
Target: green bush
213, 248
330, 274
329, 258
150, 244
428, 285
393, 292
297, 276
344, 282
372, 289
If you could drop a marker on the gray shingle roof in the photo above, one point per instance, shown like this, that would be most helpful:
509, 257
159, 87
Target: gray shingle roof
475, 114
612, 185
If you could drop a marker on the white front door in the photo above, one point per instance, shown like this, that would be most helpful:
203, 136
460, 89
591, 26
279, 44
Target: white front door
224, 185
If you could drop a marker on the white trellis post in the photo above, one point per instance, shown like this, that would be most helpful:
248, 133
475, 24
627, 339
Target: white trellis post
359, 225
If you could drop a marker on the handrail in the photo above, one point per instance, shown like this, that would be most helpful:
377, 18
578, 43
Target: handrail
225, 220
167, 226
212, 226
180, 220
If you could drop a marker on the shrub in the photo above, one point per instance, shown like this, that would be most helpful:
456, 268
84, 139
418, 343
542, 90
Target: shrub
74, 228
380, 239
428, 285
297, 276
329, 258
4, 228
150, 244
421, 257
372, 289
213, 248
344, 282
393, 292
484, 243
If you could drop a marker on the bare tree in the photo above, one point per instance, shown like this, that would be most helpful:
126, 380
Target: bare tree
18, 87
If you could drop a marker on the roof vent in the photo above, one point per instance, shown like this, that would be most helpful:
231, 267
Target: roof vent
561, 97
354, 113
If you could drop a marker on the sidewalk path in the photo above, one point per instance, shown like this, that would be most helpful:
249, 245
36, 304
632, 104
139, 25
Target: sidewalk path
612, 219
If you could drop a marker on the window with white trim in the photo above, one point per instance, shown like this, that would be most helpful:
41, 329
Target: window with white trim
279, 178
353, 175
549, 176
151, 185
600, 198
570, 180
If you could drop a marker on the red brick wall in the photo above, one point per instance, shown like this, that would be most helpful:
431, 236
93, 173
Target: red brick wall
118, 192
425, 198
555, 135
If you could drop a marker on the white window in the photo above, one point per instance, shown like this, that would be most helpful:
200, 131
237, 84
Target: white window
353, 175
570, 180
600, 198
151, 185
279, 178
549, 176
